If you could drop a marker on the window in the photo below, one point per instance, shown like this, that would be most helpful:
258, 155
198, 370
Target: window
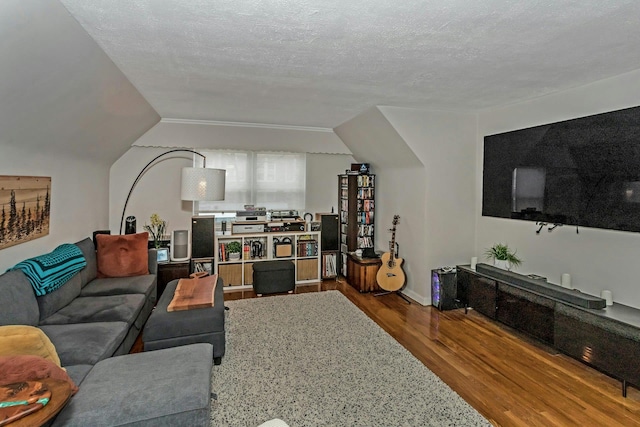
271, 180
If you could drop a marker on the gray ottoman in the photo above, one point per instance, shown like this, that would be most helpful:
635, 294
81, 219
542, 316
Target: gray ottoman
170, 387
273, 276
173, 328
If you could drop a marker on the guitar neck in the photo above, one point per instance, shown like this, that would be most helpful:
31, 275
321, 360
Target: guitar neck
392, 249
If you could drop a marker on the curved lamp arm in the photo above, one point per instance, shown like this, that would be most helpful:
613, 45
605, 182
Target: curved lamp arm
144, 169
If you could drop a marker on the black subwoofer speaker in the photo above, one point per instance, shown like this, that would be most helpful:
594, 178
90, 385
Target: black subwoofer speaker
95, 244
202, 233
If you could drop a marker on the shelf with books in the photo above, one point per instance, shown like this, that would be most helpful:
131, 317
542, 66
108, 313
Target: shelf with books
302, 248
329, 264
307, 248
357, 214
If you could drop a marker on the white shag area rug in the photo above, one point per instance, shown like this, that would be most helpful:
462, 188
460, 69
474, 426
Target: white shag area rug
316, 360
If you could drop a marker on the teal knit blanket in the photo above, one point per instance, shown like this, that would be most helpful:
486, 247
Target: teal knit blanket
50, 271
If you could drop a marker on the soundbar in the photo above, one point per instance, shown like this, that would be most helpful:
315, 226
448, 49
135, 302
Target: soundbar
541, 287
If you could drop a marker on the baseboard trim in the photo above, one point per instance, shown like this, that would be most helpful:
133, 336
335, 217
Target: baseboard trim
416, 297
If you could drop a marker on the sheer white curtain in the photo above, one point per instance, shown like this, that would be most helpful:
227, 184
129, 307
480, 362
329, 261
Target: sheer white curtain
271, 180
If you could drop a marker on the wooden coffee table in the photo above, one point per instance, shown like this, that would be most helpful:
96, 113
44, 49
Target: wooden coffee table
60, 394
196, 292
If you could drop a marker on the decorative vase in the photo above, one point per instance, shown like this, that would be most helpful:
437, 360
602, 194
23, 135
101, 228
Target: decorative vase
503, 264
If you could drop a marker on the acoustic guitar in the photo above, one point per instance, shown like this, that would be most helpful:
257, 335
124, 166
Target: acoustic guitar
390, 276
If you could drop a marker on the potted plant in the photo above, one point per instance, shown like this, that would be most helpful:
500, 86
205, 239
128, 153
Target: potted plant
234, 249
156, 230
503, 257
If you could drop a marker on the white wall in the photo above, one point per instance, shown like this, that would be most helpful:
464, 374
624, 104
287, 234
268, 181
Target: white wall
322, 180
445, 143
400, 190
66, 112
596, 259
79, 199
159, 189
425, 166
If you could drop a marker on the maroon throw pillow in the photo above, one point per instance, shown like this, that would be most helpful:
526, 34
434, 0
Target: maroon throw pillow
122, 255
26, 367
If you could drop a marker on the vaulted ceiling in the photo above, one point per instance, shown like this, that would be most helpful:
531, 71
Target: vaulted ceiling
321, 62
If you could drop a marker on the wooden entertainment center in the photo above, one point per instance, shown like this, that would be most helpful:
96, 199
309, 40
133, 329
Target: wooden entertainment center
577, 324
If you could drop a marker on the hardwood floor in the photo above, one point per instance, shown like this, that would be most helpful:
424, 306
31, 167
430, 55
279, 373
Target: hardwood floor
509, 378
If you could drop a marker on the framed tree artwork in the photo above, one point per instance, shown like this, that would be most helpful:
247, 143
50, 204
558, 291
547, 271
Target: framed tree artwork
25, 208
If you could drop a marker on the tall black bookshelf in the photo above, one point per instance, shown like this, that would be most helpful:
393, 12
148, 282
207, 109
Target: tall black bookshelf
356, 193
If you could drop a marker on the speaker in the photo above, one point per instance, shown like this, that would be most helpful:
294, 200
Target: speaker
329, 229
180, 245
95, 244
202, 234
130, 225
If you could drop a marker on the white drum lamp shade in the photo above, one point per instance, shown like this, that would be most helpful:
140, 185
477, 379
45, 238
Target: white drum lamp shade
200, 184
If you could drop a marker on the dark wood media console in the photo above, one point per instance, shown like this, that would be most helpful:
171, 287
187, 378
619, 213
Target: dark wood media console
606, 338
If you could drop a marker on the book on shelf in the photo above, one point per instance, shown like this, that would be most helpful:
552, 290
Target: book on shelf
365, 193
365, 242
329, 262
365, 217
202, 266
365, 230
366, 180
307, 248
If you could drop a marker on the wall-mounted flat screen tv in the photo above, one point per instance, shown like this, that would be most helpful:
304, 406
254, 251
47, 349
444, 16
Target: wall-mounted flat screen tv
583, 172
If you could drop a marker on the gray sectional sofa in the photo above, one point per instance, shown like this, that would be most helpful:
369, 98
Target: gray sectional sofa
90, 320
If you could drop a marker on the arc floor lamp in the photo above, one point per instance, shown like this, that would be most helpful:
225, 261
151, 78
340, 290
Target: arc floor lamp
197, 184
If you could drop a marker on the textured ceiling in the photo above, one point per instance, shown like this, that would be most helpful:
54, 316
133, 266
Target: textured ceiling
321, 62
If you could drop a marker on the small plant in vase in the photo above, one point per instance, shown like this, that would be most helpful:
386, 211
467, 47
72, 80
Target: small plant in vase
156, 230
502, 256
234, 249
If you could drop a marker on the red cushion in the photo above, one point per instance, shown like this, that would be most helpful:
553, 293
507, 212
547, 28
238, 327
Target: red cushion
26, 367
122, 255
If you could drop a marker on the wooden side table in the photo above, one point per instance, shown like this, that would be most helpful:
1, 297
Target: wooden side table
361, 272
169, 271
60, 394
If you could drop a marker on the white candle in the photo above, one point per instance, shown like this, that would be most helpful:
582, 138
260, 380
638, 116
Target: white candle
607, 296
566, 281
474, 261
